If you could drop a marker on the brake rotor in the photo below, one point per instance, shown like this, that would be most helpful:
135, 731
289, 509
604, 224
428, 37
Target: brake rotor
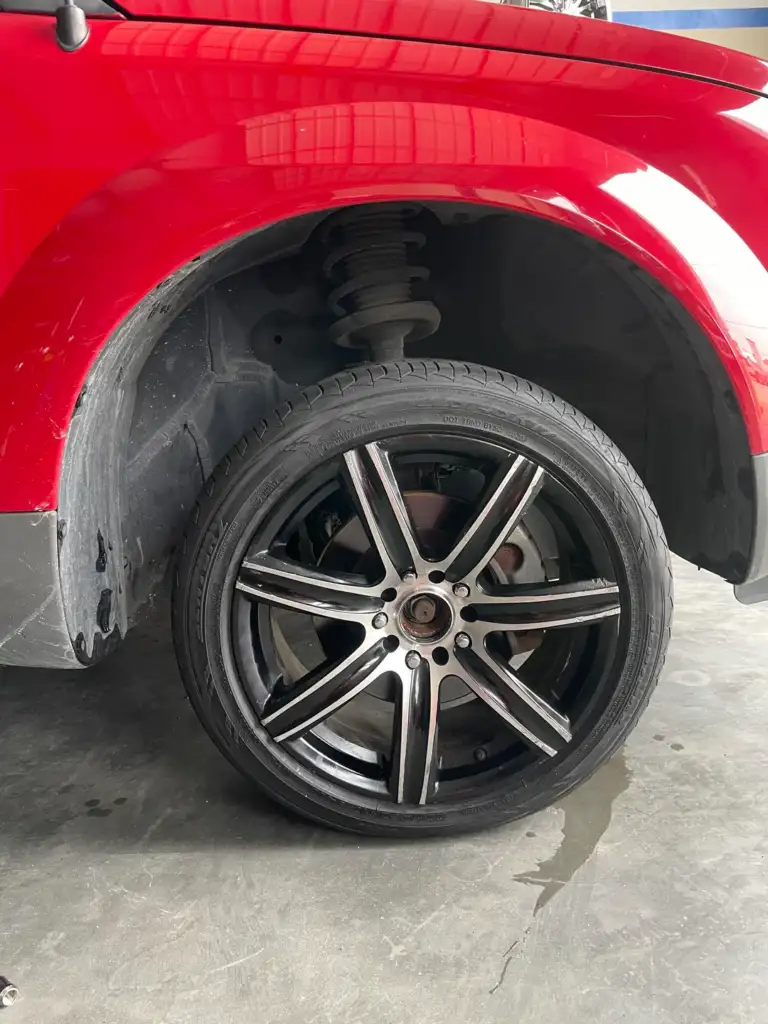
525, 557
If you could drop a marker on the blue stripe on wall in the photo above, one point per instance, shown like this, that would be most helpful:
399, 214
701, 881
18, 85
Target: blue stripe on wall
743, 17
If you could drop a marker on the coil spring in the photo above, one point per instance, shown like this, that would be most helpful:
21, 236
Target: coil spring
373, 293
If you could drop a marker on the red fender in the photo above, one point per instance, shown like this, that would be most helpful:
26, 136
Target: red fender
181, 137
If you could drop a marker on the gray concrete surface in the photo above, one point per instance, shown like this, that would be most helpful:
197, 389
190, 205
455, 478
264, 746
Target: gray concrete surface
141, 880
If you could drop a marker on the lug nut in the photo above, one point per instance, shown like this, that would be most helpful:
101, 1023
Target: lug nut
8, 993
412, 659
461, 590
463, 641
409, 577
379, 620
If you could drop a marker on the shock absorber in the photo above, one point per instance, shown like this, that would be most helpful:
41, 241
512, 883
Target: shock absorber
369, 266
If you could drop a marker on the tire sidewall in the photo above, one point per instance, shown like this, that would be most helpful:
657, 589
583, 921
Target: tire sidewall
253, 489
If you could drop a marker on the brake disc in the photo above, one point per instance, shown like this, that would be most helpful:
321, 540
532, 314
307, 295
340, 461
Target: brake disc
528, 555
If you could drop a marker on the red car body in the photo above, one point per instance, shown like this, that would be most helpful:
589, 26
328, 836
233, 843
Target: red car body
184, 124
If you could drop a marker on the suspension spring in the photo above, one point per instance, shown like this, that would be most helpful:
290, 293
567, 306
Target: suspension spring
373, 294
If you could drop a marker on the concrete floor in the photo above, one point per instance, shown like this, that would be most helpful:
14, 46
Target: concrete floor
141, 880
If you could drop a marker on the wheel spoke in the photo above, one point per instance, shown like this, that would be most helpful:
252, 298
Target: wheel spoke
301, 589
381, 505
429, 531
322, 692
413, 777
506, 694
547, 606
509, 496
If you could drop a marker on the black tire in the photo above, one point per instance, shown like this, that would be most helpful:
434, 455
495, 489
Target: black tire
349, 410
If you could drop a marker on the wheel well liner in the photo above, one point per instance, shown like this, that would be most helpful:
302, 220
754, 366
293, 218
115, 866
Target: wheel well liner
250, 320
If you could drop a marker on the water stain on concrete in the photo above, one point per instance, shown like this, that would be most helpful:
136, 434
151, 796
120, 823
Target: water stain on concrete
587, 814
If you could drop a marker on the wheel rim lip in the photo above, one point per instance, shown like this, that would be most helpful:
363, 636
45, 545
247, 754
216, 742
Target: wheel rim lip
289, 754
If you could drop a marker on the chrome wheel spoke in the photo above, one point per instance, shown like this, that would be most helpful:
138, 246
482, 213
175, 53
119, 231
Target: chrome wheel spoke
413, 776
509, 496
546, 606
322, 692
285, 584
404, 558
510, 698
382, 508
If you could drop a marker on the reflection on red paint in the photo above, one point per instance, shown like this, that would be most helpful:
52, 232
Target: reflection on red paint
188, 135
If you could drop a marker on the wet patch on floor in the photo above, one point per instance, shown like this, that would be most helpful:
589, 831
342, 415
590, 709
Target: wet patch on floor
586, 815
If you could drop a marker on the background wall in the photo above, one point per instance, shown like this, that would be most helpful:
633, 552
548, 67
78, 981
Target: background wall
727, 22
738, 24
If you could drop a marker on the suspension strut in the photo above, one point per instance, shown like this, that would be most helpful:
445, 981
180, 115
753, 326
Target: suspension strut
369, 266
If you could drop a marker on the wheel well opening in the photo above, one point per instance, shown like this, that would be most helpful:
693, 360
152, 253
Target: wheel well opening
572, 315
222, 342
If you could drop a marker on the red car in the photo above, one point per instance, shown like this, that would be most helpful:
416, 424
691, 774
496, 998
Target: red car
402, 337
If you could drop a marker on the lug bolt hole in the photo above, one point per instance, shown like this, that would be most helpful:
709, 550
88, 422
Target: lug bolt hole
440, 656
436, 576
391, 643
389, 594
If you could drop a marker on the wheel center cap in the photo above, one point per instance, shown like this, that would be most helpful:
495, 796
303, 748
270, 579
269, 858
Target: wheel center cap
425, 617
421, 609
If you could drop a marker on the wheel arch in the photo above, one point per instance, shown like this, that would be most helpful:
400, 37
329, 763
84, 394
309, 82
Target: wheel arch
95, 567
89, 275
76, 336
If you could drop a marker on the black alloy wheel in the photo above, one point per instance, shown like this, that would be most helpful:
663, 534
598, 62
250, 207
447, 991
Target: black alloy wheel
433, 598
